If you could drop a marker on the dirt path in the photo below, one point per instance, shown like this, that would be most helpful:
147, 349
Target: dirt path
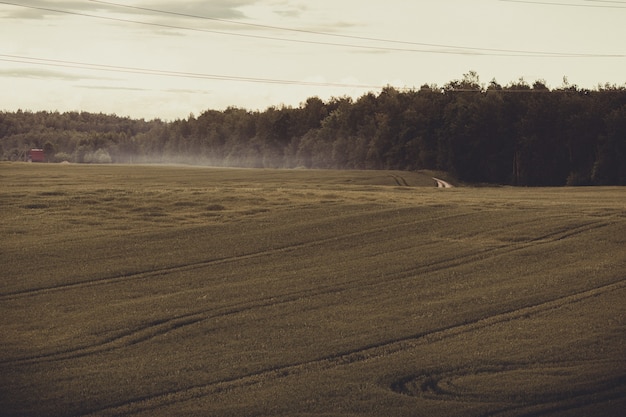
442, 183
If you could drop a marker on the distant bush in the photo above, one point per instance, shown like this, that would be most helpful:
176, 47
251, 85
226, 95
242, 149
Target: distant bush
98, 157
62, 157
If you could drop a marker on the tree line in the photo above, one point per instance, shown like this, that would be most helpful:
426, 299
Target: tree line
518, 134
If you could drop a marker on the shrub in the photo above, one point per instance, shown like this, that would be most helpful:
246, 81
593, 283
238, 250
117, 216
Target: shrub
62, 157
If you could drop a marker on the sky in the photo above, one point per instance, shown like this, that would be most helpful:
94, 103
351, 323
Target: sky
170, 59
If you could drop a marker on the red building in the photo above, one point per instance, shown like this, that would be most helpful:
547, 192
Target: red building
36, 155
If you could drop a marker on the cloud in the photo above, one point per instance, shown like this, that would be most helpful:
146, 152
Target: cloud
40, 9
100, 87
286, 8
167, 18
334, 26
154, 90
42, 73
220, 9
187, 91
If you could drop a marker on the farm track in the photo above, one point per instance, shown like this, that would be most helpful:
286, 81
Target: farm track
160, 327
365, 353
555, 235
440, 385
204, 263
399, 180
156, 328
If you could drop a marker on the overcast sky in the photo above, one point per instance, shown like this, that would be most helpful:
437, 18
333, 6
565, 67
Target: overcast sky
167, 59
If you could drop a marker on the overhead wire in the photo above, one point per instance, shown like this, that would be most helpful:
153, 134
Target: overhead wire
156, 72
191, 75
335, 35
606, 1
549, 3
241, 35
179, 74
452, 49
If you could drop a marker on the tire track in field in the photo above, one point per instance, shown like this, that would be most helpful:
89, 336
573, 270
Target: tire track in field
159, 327
216, 261
361, 354
287, 248
400, 181
443, 385
156, 328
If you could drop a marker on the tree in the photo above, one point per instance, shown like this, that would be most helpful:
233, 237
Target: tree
609, 167
49, 151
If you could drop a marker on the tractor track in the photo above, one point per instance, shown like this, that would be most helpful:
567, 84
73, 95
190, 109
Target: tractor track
209, 262
441, 385
361, 354
562, 234
156, 328
399, 180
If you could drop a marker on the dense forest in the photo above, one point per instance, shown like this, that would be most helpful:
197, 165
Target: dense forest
517, 134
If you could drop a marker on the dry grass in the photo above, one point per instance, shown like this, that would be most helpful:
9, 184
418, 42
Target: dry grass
150, 291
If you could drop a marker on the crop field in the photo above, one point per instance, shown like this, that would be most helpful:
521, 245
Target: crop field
189, 291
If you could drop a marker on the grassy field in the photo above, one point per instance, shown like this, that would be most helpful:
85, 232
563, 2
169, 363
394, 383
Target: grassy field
165, 290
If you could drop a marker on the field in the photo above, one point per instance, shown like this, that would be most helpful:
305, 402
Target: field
169, 290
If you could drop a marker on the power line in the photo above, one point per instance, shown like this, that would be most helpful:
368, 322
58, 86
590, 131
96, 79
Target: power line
167, 26
459, 51
547, 3
178, 74
319, 33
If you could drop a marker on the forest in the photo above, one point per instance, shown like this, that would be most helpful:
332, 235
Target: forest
514, 134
